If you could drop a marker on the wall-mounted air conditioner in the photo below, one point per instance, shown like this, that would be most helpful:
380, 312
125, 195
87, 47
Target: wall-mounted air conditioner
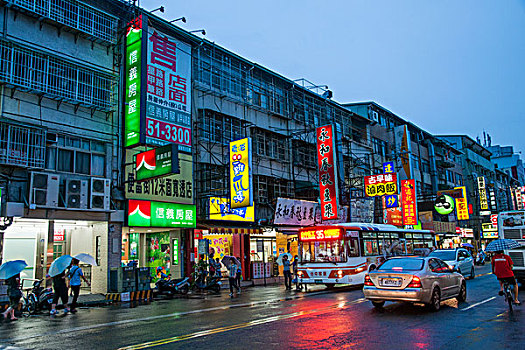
76, 194
43, 190
100, 194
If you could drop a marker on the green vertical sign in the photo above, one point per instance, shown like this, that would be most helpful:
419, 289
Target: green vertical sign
175, 257
133, 80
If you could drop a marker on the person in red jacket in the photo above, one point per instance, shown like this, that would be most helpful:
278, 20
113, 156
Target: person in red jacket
502, 268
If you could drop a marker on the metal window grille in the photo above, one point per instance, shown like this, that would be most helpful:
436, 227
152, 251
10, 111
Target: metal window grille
22, 146
74, 14
37, 71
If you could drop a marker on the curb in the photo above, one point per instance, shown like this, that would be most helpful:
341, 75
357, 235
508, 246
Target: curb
141, 295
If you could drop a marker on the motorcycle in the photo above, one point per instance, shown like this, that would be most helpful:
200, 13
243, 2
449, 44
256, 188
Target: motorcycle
480, 260
202, 282
169, 287
39, 298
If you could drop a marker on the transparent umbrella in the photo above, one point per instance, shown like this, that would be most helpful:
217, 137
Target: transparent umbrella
280, 258
60, 265
86, 258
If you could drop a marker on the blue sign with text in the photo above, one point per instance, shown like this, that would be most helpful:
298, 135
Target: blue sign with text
391, 201
388, 167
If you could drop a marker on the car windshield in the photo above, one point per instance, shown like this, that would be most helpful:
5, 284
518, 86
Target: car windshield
403, 264
446, 255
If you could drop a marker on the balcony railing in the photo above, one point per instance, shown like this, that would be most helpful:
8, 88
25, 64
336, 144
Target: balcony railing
58, 78
22, 146
74, 14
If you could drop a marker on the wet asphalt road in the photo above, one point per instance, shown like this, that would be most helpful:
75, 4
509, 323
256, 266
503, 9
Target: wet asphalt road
270, 317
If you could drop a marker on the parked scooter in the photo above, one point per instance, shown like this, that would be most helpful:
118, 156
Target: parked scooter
39, 298
202, 282
169, 287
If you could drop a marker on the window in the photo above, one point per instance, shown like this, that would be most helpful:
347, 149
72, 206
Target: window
380, 147
352, 247
221, 128
402, 264
271, 145
415, 161
459, 179
304, 154
425, 166
323, 251
77, 155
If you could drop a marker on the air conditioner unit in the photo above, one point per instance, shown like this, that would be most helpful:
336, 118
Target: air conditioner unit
76, 194
43, 190
100, 194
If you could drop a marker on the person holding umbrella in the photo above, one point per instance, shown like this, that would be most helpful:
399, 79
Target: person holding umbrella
502, 264
57, 272
10, 271
286, 272
232, 274
74, 275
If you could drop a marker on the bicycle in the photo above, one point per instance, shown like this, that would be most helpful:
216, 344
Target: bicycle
507, 292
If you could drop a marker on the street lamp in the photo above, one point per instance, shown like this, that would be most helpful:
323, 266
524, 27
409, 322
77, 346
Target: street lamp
202, 31
183, 19
161, 9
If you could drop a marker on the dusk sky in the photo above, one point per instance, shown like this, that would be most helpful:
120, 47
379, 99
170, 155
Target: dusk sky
451, 67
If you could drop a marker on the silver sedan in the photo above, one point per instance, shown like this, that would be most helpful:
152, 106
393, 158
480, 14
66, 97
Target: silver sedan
414, 279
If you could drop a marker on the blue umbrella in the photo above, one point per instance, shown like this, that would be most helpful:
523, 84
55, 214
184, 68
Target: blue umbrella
60, 265
502, 244
468, 245
11, 268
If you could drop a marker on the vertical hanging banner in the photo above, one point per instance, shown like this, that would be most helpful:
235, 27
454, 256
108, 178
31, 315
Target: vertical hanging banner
408, 200
462, 205
403, 150
241, 189
328, 182
483, 201
168, 91
132, 108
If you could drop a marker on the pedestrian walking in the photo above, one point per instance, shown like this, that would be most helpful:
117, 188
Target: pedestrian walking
238, 275
218, 267
60, 289
74, 275
287, 273
14, 293
232, 274
295, 265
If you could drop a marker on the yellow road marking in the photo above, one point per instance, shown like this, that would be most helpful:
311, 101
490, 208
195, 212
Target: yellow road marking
239, 326
484, 274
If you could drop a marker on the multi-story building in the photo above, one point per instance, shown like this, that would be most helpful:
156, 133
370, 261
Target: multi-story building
508, 161
59, 132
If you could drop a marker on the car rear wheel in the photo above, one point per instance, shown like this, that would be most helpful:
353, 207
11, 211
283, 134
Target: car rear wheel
378, 304
462, 296
435, 300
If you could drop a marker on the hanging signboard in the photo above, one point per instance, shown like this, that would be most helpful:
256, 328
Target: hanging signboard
494, 220
175, 188
158, 88
408, 202
59, 235
482, 190
462, 205
388, 167
380, 185
444, 204
327, 166
403, 149
492, 198
391, 201
157, 162
220, 210
160, 214
241, 189
392, 216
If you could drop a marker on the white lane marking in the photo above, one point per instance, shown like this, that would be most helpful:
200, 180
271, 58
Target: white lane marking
477, 304
149, 318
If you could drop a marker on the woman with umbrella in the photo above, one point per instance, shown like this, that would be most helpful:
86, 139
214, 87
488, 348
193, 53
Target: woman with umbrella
10, 271
57, 272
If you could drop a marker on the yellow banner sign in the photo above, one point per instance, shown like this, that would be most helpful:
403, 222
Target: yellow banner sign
220, 210
462, 205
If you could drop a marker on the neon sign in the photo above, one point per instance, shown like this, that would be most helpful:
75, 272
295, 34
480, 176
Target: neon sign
320, 234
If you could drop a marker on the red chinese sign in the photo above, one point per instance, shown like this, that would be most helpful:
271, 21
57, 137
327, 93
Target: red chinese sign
326, 162
408, 199
380, 185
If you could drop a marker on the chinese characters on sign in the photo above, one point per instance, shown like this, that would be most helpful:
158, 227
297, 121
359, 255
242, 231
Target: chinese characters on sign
492, 198
408, 200
241, 189
133, 82
320, 234
220, 210
380, 185
157, 162
175, 188
391, 201
160, 214
388, 167
483, 202
462, 205
168, 91
328, 182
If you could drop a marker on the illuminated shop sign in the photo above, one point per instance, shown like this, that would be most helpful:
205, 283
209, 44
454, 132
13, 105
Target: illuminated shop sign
327, 166
320, 234
157, 162
160, 214
241, 189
